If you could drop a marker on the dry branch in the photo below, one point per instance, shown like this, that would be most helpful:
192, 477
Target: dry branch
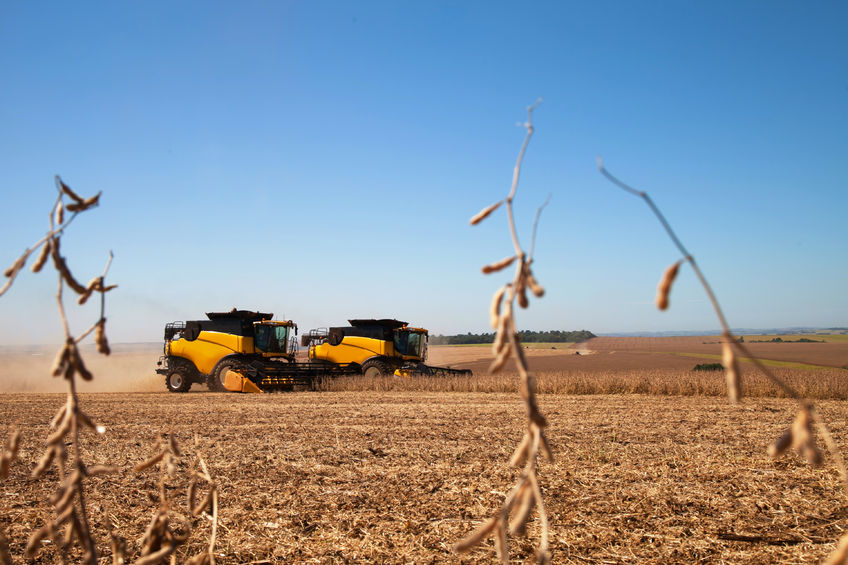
526, 494
70, 514
800, 434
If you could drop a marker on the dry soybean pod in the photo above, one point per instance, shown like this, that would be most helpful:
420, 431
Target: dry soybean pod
175, 449
664, 287
534, 286
498, 265
520, 453
63, 428
10, 452
839, 556
501, 359
484, 213
731, 368
781, 444
477, 536
802, 435
526, 501
5, 553
16, 266
42, 257
545, 447
62, 267
150, 462
67, 190
190, 495
59, 217
204, 504
61, 361
100, 338
34, 542
76, 361
495, 308
44, 462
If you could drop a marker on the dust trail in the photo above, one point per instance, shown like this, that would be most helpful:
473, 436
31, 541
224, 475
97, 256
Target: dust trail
130, 368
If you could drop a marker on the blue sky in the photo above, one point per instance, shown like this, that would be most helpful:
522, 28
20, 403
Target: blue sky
321, 159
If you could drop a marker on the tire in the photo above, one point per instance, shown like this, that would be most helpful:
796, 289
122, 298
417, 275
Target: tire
178, 379
215, 380
181, 374
377, 368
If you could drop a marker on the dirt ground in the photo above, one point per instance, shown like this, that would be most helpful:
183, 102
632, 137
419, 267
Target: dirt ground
399, 477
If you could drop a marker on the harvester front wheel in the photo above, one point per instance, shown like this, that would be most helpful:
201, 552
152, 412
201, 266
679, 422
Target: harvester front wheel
215, 381
377, 368
179, 378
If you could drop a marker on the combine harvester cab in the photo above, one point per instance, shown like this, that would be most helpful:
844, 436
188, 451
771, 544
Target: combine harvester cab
378, 348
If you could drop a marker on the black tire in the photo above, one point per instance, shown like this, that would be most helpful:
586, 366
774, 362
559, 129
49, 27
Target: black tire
180, 376
376, 368
215, 380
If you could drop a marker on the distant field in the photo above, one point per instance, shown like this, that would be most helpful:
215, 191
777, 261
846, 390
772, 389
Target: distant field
831, 354
556, 345
540, 345
828, 338
604, 355
599, 365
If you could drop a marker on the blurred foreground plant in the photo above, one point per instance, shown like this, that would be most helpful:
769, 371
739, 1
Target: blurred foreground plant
70, 525
799, 435
526, 495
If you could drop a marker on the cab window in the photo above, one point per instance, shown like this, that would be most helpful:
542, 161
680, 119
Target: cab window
271, 339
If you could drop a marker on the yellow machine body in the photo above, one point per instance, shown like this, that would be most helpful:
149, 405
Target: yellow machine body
375, 348
246, 351
237, 350
357, 349
209, 348
352, 350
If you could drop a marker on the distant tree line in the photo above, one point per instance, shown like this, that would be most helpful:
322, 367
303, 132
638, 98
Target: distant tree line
527, 336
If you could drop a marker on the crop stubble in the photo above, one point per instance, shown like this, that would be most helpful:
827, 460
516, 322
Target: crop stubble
399, 476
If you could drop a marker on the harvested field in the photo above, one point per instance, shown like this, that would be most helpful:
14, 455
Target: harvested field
831, 384
603, 365
659, 469
325, 477
833, 354
654, 366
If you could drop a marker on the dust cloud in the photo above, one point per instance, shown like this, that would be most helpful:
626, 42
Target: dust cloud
130, 368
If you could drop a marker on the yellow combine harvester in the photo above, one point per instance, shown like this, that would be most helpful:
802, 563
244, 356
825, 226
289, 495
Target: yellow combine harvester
377, 347
245, 351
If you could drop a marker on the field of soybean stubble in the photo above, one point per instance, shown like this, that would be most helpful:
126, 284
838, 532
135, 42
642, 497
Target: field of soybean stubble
398, 473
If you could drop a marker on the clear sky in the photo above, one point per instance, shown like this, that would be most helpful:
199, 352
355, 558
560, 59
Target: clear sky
320, 160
